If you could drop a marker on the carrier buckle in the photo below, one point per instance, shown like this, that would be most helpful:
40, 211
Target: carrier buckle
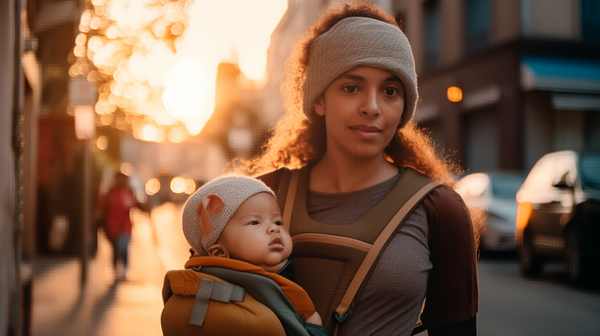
340, 319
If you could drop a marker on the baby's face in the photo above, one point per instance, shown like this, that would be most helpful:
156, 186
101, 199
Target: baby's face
255, 234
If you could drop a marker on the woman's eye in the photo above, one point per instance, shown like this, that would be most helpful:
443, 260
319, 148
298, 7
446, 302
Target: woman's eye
391, 91
350, 88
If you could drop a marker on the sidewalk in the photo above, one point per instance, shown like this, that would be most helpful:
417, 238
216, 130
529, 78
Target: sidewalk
106, 307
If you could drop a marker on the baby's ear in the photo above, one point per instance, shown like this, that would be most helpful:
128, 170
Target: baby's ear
217, 250
211, 205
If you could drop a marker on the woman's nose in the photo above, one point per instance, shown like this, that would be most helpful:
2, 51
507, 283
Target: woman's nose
370, 106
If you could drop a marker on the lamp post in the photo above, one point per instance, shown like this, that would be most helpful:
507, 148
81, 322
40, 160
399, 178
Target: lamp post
82, 95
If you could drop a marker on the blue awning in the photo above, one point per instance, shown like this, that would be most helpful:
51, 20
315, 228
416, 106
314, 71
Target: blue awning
560, 74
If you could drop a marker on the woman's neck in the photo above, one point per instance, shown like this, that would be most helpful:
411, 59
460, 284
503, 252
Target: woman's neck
335, 175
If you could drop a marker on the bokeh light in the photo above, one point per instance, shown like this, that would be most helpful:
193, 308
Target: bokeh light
190, 186
154, 61
178, 185
102, 142
152, 186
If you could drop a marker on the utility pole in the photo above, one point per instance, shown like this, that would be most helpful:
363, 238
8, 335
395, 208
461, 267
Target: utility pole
82, 96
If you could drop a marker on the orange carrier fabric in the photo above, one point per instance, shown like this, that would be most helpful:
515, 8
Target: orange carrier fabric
247, 317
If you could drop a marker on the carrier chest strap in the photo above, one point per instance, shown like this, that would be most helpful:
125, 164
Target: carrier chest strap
213, 290
374, 252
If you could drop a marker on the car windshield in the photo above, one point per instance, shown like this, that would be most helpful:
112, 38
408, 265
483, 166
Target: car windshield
590, 170
506, 186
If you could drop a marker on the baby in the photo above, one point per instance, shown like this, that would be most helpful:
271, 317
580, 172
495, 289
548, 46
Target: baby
238, 217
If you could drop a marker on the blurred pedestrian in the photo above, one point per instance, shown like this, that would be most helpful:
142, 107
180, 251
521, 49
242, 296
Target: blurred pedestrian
117, 205
344, 159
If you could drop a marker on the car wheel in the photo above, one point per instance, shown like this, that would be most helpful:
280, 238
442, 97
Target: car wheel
531, 265
577, 267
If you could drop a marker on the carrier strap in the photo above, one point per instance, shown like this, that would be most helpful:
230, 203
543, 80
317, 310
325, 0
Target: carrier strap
213, 290
365, 267
289, 200
341, 312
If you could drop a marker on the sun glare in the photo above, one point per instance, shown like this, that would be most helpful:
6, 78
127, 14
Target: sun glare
186, 93
156, 61
234, 27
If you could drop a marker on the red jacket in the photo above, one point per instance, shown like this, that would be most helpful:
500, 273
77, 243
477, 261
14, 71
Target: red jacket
116, 212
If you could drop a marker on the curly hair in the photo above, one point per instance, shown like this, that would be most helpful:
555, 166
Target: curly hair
298, 140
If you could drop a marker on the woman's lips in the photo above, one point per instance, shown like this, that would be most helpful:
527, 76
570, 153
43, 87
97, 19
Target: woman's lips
365, 131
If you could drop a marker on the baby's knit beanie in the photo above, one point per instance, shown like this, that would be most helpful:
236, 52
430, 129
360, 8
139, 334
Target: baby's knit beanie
233, 190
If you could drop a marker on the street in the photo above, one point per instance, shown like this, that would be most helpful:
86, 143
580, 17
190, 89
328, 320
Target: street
510, 304
104, 306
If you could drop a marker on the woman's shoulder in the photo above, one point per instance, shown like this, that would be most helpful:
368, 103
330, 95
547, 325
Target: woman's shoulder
446, 211
272, 178
444, 195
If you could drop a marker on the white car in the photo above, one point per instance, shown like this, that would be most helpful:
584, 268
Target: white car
495, 193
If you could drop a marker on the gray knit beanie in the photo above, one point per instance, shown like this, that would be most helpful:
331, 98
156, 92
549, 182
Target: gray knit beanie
357, 41
233, 190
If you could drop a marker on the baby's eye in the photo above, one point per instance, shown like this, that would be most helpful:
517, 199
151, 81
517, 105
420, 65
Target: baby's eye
254, 223
391, 91
278, 223
350, 88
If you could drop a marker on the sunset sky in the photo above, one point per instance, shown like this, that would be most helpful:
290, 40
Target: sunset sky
218, 30
164, 84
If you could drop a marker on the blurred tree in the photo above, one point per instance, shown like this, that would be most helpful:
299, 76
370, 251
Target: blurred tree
117, 37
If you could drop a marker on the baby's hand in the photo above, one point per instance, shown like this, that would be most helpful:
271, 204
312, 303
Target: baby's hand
315, 319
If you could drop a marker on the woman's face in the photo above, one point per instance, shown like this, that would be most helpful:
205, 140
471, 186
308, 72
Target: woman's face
362, 110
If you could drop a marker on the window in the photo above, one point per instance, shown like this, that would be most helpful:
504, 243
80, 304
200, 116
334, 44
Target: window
433, 41
482, 140
592, 130
590, 20
590, 170
478, 25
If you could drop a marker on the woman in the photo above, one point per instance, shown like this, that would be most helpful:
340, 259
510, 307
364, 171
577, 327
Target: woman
349, 138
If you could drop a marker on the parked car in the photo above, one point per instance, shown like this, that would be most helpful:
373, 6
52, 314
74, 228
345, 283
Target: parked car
559, 215
495, 193
168, 188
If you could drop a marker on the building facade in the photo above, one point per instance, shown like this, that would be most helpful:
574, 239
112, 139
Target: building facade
529, 72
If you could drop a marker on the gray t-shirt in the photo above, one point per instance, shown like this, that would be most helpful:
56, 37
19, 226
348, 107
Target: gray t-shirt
391, 301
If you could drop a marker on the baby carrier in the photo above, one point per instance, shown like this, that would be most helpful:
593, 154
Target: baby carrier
218, 296
344, 255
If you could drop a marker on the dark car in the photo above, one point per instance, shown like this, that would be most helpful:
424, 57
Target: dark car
559, 215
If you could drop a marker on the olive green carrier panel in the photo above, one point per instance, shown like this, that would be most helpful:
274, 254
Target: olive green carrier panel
343, 255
